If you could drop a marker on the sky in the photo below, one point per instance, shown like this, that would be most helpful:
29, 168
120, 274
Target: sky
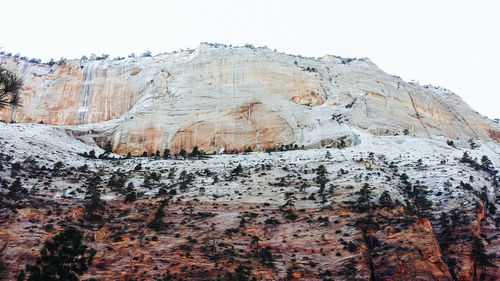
453, 44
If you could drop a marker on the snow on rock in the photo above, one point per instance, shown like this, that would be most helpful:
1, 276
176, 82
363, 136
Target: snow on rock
223, 98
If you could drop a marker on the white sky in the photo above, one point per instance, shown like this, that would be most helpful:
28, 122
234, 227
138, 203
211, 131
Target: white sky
454, 44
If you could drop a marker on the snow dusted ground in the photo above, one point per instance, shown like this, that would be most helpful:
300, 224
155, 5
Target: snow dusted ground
439, 165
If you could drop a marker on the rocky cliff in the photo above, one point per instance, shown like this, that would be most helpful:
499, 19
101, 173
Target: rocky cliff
222, 219
224, 98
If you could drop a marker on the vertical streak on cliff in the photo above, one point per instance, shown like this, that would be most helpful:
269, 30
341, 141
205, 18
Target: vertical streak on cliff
233, 108
86, 88
418, 114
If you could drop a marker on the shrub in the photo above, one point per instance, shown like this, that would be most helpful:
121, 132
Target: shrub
138, 167
241, 273
272, 221
237, 171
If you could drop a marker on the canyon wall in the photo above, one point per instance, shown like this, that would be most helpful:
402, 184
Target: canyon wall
222, 98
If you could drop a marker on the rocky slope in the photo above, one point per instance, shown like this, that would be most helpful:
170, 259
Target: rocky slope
224, 98
211, 224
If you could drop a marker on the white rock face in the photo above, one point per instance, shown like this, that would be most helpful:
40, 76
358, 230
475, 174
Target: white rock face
221, 98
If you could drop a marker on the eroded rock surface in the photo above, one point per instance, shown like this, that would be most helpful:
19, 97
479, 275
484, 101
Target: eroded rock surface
222, 218
221, 98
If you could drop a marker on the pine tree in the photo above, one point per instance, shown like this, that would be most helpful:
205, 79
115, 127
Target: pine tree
131, 194
16, 189
267, 257
465, 158
385, 200
365, 195
479, 255
328, 155
4, 273
182, 153
95, 206
10, 86
289, 200
166, 153
321, 177
64, 257
195, 152
184, 180
421, 204
446, 230
155, 177
486, 162
157, 221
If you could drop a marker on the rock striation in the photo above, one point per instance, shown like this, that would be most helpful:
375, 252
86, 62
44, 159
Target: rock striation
224, 98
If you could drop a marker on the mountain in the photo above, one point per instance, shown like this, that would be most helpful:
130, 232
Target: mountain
365, 177
223, 98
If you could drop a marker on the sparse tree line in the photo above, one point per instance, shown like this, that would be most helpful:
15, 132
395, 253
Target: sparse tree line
62, 60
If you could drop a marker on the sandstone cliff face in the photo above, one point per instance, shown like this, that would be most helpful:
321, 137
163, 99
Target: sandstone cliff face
221, 98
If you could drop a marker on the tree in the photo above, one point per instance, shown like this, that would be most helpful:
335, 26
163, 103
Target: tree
289, 200
421, 205
450, 143
365, 195
195, 152
108, 148
255, 241
385, 200
486, 162
472, 144
157, 221
131, 194
117, 181
3, 266
95, 206
446, 230
138, 167
350, 269
16, 189
155, 177
321, 177
10, 85
58, 165
182, 153
465, 158
64, 257
185, 179
267, 257
166, 153
479, 255
241, 273
238, 170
